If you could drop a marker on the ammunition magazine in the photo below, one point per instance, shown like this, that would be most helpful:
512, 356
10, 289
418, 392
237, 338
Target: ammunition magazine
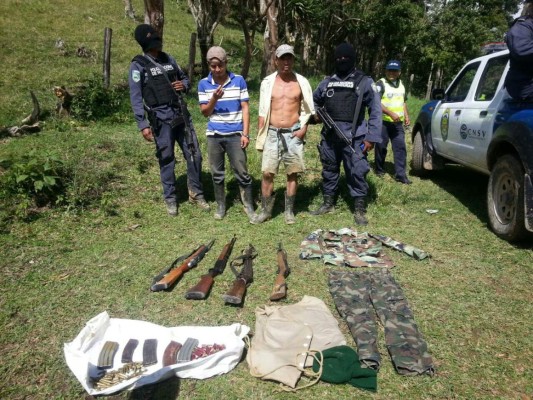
150, 352
107, 355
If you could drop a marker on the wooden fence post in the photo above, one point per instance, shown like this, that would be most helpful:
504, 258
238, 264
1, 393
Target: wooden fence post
192, 56
107, 56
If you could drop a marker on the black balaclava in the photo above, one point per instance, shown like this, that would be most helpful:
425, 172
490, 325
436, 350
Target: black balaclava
343, 67
147, 37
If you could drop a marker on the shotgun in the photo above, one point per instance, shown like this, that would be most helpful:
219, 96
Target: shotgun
244, 278
280, 286
200, 291
171, 274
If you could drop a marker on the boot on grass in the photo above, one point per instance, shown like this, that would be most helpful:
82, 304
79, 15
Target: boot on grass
328, 206
289, 209
247, 201
265, 213
220, 198
359, 215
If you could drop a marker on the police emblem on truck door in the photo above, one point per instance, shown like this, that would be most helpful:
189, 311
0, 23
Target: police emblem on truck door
444, 124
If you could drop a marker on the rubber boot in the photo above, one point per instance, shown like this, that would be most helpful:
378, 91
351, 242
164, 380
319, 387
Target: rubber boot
289, 209
220, 198
267, 204
327, 206
359, 215
247, 201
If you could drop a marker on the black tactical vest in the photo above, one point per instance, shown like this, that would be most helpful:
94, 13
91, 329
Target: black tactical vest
156, 88
341, 97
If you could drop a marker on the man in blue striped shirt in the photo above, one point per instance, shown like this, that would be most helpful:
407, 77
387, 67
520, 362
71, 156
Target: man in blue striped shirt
223, 98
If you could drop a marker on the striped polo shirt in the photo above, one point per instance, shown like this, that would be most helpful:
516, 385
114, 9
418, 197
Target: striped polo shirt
227, 115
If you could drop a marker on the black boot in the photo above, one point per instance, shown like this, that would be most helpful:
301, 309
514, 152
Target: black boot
247, 201
289, 209
327, 206
359, 215
220, 198
267, 204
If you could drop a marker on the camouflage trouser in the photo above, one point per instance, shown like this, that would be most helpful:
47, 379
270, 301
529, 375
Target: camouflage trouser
355, 293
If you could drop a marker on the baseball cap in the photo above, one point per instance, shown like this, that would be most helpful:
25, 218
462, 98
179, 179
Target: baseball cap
284, 49
393, 65
217, 52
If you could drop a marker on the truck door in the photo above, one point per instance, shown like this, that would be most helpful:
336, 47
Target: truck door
478, 120
446, 121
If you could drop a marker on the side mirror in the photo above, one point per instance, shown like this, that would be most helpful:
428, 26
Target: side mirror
437, 94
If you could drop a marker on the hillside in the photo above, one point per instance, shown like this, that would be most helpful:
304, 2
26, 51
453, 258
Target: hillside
107, 235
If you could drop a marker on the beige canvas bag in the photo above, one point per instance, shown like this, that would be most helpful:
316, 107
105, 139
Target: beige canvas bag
286, 337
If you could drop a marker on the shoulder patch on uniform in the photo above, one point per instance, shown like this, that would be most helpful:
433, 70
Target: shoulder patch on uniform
375, 88
136, 75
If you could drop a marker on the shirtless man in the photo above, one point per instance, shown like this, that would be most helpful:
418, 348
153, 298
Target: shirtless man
285, 106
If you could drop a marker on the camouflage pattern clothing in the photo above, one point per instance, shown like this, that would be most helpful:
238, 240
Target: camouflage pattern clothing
353, 249
354, 294
406, 248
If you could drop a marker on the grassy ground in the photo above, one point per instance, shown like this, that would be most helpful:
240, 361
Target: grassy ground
472, 300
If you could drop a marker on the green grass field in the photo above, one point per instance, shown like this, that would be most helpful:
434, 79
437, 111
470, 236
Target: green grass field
61, 266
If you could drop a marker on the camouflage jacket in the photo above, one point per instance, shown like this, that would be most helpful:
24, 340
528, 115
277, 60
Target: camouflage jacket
353, 249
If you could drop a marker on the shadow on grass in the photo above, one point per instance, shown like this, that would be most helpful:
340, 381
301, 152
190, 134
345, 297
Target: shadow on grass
467, 186
166, 390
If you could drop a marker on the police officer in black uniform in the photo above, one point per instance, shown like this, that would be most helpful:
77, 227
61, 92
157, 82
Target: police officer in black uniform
338, 94
519, 80
156, 82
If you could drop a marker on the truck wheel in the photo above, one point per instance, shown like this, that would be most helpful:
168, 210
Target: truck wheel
417, 164
505, 199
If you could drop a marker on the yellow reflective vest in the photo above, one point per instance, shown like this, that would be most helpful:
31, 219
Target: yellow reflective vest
393, 98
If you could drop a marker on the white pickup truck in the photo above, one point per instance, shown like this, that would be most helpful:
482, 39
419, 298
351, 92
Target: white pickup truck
475, 123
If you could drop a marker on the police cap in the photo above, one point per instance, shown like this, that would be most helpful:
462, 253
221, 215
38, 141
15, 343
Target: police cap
393, 65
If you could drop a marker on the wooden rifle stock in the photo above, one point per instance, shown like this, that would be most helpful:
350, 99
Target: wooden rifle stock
280, 286
236, 293
244, 278
201, 289
173, 274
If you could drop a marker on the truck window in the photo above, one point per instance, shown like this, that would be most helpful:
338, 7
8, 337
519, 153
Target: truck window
461, 85
490, 78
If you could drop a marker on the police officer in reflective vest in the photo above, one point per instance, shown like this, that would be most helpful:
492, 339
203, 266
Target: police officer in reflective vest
519, 39
339, 94
395, 115
156, 82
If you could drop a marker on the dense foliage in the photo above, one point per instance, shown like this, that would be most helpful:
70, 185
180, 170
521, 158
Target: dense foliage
432, 38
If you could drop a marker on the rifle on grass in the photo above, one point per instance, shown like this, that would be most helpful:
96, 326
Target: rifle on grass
280, 286
170, 275
331, 125
244, 278
199, 292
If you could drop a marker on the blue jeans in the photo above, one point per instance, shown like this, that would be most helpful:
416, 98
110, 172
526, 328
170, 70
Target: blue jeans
220, 145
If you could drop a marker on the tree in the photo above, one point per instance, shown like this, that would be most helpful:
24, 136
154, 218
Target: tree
270, 37
128, 9
154, 14
248, 16
207, 14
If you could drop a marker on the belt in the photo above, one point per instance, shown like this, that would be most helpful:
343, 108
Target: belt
284, 130
280, 131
